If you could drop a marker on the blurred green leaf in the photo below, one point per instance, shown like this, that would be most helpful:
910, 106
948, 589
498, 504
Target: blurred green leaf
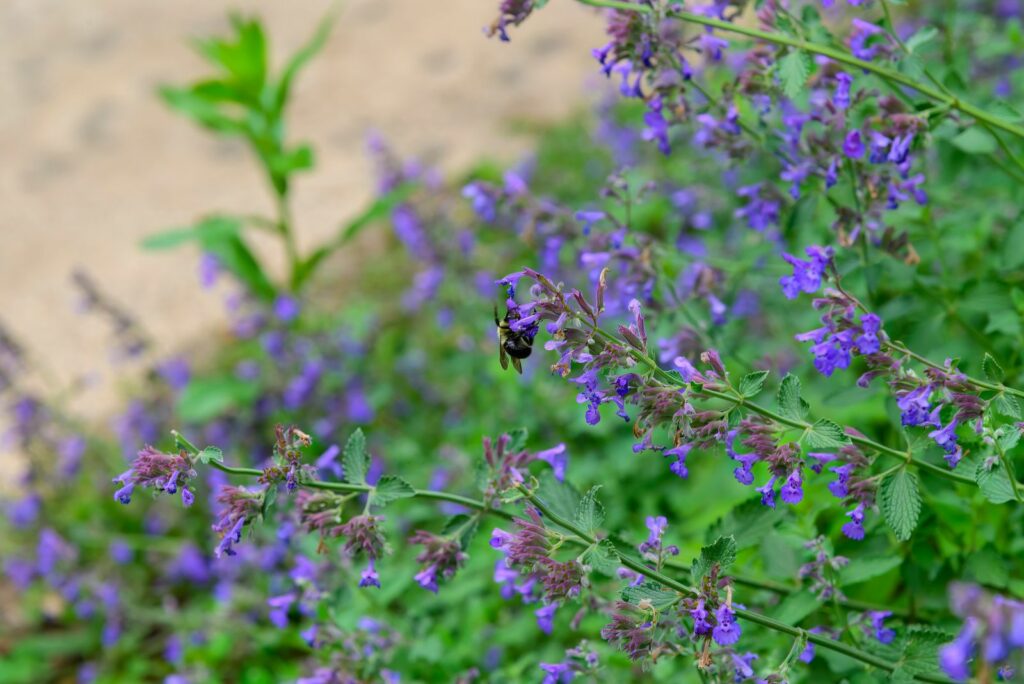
355, 458
206, 398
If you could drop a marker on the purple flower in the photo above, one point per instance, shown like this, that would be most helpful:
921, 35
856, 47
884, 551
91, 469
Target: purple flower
877, 619
727, 632
286, 308
867, 342
807, 275
588, 219
841, 98
701, 625
369, 578
558, 459
792, 491
915, 408
545, 617
679, 465
946, 438
209, 270
426, 578
853, 145
838, 487
954, 657
234, 536
279, 607
175, 372
768, 493
483, 203
855, 528
557, 673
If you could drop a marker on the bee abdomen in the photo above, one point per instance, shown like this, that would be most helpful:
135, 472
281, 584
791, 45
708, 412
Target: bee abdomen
517, 349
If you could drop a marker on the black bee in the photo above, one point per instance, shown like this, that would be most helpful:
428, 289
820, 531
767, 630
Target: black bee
518, 345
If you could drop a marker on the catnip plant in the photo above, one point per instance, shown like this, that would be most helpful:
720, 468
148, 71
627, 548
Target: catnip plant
770, 417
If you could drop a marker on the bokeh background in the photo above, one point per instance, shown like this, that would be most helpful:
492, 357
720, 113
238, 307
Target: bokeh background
93, 161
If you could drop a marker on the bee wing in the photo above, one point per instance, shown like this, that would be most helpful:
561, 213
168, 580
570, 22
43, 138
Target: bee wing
502, 356
518, 365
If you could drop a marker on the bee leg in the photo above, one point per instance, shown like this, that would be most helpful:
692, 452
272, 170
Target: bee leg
518, 365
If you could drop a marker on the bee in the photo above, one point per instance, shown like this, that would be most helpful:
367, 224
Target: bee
518, 345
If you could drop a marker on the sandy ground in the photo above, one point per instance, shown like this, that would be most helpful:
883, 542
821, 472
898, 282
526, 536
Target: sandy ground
92, 162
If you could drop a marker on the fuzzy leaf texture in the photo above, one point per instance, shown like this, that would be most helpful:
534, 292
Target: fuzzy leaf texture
994, 484
901, 502
722, 552
794, 70
210, 453
391, 488
993, 371
653, 593
825, 434
589, 511
356, 460
603, 558
752, 383
791, 404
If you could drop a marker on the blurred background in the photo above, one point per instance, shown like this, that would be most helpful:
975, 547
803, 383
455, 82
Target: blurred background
94, 161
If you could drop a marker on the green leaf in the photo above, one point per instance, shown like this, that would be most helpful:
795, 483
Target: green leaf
825, 434
722, 553
991, 478
796, 607
468, 526
1008, 437
210, 453
752, 383
391, 488
794, 69
213, 228
1007, 405
901, 502
748, 523
355, 458
589, 511
922, 36
560, 497
377, 211
993, 371
269, 498
651, 593
206, 398
861, 569
921, 651
974, 140
517, 440
791, 404
603, 558
282, 89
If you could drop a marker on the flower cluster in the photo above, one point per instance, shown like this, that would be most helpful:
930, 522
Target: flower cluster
160, 472
993, 630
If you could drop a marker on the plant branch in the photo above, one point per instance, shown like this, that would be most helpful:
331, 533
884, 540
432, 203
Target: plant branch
840, 56
745, 614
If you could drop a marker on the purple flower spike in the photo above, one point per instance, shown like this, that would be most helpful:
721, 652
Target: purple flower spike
728, 630
855, 528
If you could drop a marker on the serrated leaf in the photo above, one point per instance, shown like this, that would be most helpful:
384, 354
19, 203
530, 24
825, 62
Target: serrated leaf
603, 558
211, 453
863, 569
589, 511
722, 553
465, 525
825, 434
752, 383
993, 371
650, 592
791, 404
355, 459
391, 488
993, 482
921, 651
796, 607
900, 500
1007, 405
794, 69
517, 440
1009, 437
561, 497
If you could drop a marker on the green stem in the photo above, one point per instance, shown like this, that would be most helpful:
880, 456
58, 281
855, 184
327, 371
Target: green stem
878, 447
832, 53
748, 615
